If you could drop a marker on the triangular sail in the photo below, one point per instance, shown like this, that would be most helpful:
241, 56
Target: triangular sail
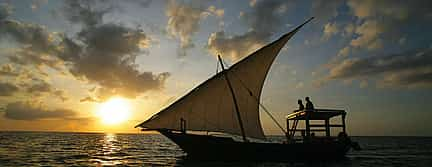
210, 107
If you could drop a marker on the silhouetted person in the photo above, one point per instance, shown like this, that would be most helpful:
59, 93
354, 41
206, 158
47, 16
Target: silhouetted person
301, 106
309, 105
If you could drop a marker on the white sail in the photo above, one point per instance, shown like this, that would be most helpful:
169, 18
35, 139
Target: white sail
210, 106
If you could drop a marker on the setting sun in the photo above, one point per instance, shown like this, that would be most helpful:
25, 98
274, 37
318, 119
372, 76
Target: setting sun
115, 110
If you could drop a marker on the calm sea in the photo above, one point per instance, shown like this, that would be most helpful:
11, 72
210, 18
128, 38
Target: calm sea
93, 149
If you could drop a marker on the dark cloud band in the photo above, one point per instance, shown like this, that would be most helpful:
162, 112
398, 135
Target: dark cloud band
28, 111
411, 68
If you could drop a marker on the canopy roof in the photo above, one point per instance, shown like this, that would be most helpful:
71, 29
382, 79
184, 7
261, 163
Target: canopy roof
317, 114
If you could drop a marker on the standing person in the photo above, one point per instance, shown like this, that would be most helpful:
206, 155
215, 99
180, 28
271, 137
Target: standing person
309, 105
301, 106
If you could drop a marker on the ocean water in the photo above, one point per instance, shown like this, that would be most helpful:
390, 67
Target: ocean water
99, 149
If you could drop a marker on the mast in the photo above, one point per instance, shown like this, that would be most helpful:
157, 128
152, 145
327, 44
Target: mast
234, 100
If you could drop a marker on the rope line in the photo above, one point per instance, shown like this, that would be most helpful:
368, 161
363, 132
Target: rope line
262, 105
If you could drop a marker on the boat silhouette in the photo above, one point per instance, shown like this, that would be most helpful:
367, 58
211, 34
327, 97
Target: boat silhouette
229, 103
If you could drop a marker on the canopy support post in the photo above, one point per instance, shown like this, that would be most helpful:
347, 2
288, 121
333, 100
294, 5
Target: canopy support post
308, 134
343, 123
327, 127
234, 100
288, 132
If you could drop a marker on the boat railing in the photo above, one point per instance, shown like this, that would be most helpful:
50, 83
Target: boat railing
309, 129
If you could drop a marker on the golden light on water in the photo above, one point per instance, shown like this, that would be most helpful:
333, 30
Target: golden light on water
114, 111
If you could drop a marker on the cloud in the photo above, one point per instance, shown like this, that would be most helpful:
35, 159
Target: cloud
100, 53
408, 69
8, 70
348, 30
383, 16
368, 35
324, 10
266, 16
378, 24
217, 12
39, 87
35, 4
344, 52
412, 79
5, 11
233, 47
398, 10
252, 3
61, 94
7, 89
30, 111
107, 56
330, 29
183, 21
88, 99
33, 36
36, 45
81, 12
109, 60
263, 20
27, 56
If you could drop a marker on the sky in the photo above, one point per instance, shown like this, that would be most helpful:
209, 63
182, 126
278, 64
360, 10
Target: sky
62, 61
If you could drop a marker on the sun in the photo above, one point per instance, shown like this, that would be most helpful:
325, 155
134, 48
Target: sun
114, 111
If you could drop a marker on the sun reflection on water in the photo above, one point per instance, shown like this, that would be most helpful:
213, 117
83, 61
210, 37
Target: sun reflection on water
110, 144
111, 149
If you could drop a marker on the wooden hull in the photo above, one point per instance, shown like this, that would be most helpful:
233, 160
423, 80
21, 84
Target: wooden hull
220, 148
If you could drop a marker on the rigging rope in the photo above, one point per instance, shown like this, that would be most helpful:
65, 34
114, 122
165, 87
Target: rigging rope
260, 104
271, 116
